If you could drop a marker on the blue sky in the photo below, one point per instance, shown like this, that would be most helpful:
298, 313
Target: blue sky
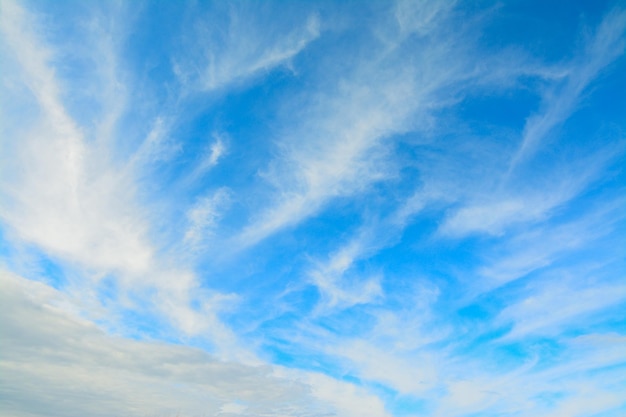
410, 208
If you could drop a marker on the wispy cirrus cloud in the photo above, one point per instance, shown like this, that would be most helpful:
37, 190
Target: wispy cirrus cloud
560, 101
66, 200
344, 130
203, 216
51, 354
336, 165
70, 197
374, 209
493, 210
552, 306
242, 47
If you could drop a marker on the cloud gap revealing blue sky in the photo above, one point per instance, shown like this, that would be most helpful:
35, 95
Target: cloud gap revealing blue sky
403, 208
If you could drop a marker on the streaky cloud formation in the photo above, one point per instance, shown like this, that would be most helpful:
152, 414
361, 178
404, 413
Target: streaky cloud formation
373, 209
51, 356
600, 51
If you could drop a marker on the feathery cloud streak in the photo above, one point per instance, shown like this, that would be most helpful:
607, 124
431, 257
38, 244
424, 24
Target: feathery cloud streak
412, 208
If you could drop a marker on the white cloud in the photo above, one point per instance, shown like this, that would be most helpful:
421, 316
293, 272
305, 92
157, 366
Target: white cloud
53, 363
345, 158
66, 195
470, 396
393, 352
338, 288
339, 293
216, 151
494, 209
67, 200
543, 245
349, 400
339, 142
559, 104
412, 374
588, 382
203, 216
65, 190
247, 45
554, 307
213, 153
420, 16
